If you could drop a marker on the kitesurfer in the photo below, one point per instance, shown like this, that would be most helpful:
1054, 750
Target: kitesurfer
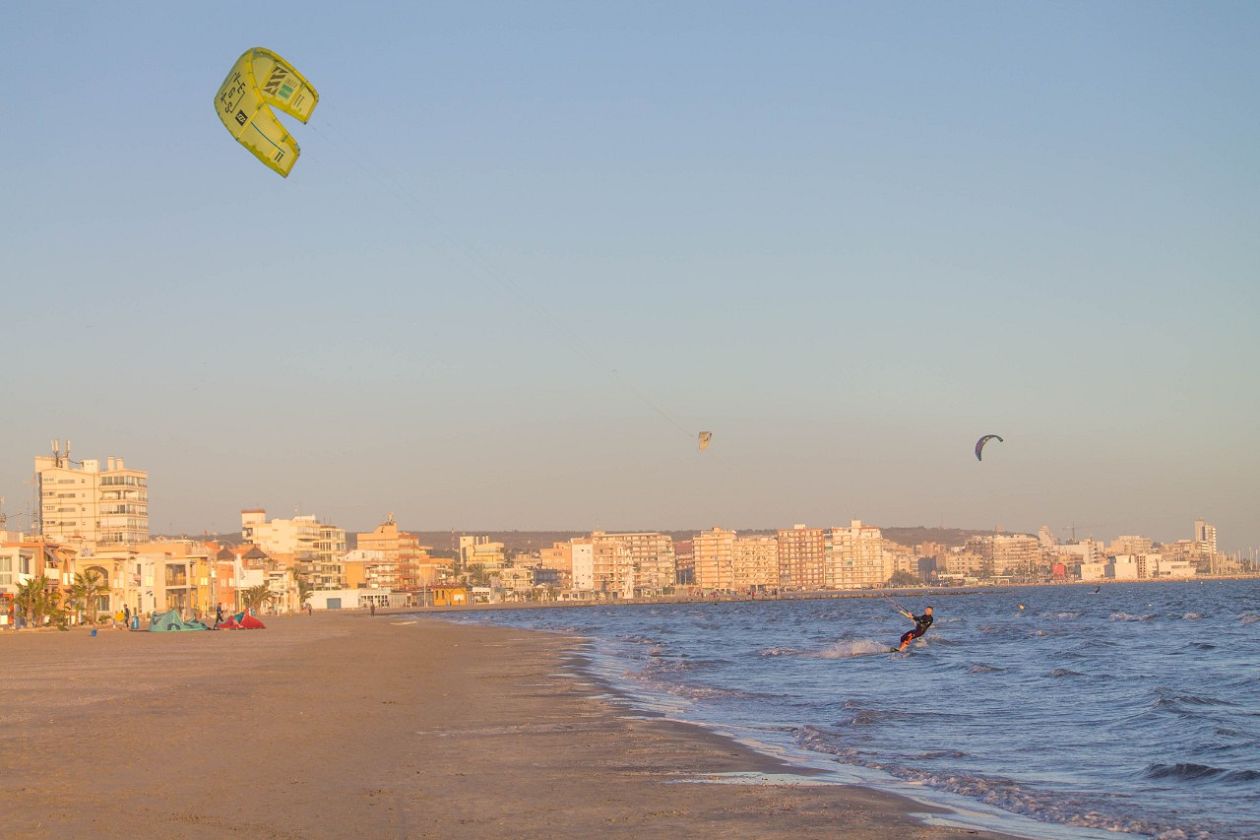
921, 625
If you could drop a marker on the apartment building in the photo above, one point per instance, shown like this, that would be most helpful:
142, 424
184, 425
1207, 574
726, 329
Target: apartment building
80, 502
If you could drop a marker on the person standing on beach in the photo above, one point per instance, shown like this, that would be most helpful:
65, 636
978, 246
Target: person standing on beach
921, 625
218, 615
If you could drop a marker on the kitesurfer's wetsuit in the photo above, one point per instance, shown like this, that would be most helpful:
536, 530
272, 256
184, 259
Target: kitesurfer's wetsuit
921, 625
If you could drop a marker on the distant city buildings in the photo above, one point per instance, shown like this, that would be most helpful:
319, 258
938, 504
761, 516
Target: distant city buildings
316, 547
92, 525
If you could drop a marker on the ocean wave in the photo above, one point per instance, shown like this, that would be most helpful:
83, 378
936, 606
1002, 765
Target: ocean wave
695, 691
779, 651
639, 639
1190, 772
1065, 672
1124, 616
1192, 616
981, 668
820, 740
935, 755
1003, 793
1066, 615
1250, 618
1195, 699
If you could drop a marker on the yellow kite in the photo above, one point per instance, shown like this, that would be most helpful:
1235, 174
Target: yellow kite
257, 81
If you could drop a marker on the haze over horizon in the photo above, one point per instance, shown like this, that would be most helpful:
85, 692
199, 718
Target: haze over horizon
528, 252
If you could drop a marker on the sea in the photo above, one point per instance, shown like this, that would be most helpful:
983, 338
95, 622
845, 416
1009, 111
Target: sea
1051, 711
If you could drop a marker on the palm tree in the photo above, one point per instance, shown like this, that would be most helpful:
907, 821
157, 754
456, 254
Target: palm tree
38, 600
86, 591
304, 587
256, 597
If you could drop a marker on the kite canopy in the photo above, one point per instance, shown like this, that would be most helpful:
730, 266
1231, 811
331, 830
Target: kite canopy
258, 81
704, 438
242, 621
980, 444
170, 621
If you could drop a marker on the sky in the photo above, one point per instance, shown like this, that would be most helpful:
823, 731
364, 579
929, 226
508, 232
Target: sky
530, 250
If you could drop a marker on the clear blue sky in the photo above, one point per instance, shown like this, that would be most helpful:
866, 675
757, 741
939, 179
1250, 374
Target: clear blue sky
848, 239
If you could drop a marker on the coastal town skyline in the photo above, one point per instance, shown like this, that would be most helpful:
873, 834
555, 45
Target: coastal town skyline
26, 517
91, 552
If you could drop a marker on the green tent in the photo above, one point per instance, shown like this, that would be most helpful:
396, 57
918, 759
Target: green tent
170, 621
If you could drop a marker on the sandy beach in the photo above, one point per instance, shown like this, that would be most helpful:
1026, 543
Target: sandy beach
342, 725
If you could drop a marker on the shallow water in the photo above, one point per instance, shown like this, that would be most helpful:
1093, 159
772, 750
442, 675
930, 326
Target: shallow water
1136, 709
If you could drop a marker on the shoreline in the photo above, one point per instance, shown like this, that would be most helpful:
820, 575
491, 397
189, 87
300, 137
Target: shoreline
340, 724
812, 595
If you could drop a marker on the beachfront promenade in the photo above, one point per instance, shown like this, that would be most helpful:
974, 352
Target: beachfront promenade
345, 725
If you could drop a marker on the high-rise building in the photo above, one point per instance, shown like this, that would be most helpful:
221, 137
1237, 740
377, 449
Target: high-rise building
582, 553
802, 557
613, 566
405, 562
713, 553
1016, 554
1205, 536
755, 562
80, 502
857, 557
331, 547
685, 562
651, 558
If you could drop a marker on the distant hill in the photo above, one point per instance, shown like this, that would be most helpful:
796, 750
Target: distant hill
446, 543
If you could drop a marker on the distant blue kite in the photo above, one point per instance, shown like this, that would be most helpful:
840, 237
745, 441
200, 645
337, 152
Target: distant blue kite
980, 444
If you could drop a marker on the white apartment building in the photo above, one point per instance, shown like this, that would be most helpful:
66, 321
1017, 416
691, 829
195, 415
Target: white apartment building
80, 502
582, 552
857, 557
1092, 570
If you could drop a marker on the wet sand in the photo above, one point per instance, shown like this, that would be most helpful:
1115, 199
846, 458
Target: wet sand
343, 725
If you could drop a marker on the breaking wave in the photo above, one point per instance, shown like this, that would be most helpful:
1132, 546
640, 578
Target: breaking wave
1190, 772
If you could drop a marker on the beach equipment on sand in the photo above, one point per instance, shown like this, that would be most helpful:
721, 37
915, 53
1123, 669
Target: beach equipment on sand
242, 621
170, 621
